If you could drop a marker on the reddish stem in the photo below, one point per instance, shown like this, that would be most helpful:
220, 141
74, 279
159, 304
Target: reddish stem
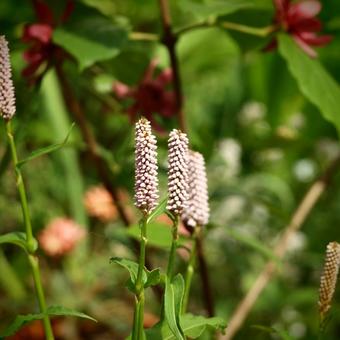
169, 40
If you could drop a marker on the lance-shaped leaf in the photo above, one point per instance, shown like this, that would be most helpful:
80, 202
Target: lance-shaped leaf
21, 320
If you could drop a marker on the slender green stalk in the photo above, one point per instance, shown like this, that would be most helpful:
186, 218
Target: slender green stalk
31, 243
34, 262
138, 322
172, 255
190, 272
257, 31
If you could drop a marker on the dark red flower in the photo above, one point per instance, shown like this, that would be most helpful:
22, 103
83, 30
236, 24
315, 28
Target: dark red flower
299, 20
150, 96
39, 56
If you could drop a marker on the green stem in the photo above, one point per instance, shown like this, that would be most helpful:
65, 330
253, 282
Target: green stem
257, 31
34, 262
31, 243
21, 189
138, 322
172, 255
189, 273
260, 32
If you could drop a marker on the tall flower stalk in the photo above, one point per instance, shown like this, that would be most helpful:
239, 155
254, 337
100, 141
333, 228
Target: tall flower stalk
146, 196
328, 280
177, 187
7, 111
196, 213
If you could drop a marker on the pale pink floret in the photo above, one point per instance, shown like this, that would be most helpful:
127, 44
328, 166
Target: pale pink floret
61, 236
99, 203
7, 96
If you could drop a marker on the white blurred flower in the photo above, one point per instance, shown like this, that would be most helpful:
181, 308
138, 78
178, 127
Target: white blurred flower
305, 170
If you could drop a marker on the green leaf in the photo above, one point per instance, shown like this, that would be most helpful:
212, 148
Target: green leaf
271, 330
47, 149
153, 278
21, 320
253, 243
173, 296
150, 278
90, 36
160, 209
192, 325
206, 9
131, 266
17, 238
313, 80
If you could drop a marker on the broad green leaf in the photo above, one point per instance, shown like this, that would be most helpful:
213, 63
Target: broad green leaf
150, 278
153, 277
313, 80
192, 325
90, 36
47, 149
206, 9
17, 238
159, 210
173, 297
131, 266
21, 320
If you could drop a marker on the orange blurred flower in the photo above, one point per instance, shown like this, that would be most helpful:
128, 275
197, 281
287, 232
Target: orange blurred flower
61, 236
99, 203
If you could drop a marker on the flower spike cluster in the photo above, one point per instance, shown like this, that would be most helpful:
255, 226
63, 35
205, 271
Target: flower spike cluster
197, 210
7, 96
146, 168
178, 172
329, 277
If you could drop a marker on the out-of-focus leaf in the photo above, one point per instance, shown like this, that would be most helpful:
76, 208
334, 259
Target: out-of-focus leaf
313, 80
46, 150
205, 9
21, 320
173, 297
253, 243
91, 37
271, 330
17, 238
